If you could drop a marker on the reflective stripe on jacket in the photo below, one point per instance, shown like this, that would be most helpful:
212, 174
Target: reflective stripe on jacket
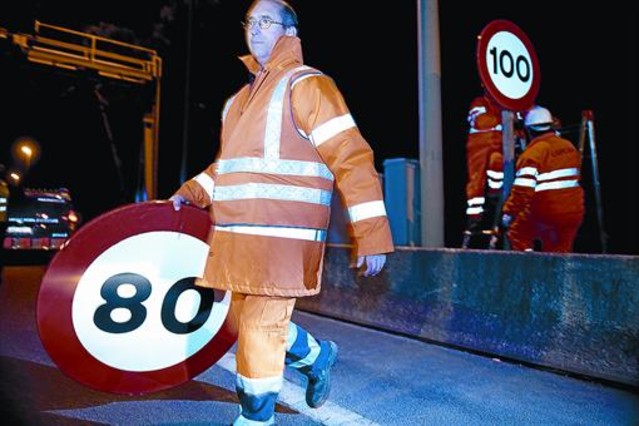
282, 152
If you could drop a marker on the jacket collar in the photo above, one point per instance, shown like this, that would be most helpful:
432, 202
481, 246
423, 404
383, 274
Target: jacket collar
287, 51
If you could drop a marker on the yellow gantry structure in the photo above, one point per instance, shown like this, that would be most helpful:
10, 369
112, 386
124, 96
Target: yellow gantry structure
73, 50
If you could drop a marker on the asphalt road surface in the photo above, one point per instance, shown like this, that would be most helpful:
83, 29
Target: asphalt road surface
379, 379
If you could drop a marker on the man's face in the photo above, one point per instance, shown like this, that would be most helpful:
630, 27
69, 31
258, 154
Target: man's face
260, 41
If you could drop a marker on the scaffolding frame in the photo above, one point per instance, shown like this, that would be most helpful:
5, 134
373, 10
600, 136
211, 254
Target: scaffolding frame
73, 50
587, 131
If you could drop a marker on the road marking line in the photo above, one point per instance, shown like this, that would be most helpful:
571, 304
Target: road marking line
292, 395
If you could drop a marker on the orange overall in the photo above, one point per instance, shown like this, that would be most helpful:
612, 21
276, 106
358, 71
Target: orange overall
484, 158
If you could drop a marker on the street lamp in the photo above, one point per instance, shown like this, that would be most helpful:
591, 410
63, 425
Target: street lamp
26, 150
15, 178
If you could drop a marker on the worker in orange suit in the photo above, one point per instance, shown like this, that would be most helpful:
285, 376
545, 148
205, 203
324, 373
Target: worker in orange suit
288, 140
546, 201
4, 214
484, 159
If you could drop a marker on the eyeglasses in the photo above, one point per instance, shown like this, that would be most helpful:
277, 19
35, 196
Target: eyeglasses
264, 23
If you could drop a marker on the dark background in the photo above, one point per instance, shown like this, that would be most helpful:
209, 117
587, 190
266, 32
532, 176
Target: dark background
587, 56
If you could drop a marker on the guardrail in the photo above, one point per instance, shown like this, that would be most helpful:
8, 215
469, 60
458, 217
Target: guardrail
574, 313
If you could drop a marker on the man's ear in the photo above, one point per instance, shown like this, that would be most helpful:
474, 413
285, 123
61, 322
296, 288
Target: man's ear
291, 31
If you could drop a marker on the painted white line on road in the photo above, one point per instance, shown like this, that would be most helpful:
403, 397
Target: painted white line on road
329, 414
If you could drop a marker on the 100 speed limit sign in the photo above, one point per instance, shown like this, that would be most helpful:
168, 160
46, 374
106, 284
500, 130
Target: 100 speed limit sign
508, 65
118, 309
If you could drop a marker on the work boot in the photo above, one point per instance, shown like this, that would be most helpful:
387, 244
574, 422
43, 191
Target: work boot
319, 377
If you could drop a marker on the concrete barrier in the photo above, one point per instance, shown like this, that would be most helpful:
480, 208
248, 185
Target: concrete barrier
575, 313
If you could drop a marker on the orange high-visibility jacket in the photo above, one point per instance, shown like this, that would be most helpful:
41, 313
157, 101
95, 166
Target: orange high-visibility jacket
546, 185
287, 140
484, 159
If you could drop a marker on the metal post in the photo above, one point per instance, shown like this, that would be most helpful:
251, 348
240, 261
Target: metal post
102, 104
430, 125
590, 124
508, 147
187, 92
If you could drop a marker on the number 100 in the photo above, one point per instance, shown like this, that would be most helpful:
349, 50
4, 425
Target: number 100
503, 63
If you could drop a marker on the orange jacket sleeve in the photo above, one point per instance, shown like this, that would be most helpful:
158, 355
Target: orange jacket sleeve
321, 113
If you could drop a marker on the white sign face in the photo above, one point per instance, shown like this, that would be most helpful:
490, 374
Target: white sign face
509, 65
126, 307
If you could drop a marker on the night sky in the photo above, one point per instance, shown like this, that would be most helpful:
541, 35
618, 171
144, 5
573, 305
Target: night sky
587, 56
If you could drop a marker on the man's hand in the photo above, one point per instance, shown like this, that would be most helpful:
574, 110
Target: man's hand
506, 220
177, 201
374, 264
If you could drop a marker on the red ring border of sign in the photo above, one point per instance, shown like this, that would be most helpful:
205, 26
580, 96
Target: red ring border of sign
527, 101
55, 298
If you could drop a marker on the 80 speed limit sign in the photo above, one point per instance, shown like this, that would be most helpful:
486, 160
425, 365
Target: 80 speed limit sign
118, 309
508, 65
